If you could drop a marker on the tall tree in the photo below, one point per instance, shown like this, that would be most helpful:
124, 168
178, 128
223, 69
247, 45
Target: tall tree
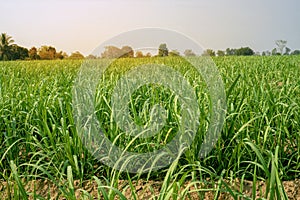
111, 52
47, 53
33, 54
6, 42
274, 52
163, 50
127, 52
281, 44
139, 54
287, 51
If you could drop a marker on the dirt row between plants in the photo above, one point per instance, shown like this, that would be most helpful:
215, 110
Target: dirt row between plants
145, 190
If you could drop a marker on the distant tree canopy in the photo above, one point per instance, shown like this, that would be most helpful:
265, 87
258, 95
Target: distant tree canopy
266, 53
281, 48
139, 54
49, 53
244, 51
220, 53
111, 52
18, 53
33, 53
5, 46
189, 52
209, 52
46, 53
76, 55
230, 52
115, 52
281, 44
11, 51
91, 57
296, 52
287, 51
127, 52
274, 52
163, 50
174, 53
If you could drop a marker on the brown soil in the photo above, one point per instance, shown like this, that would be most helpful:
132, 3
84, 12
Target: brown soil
145, 190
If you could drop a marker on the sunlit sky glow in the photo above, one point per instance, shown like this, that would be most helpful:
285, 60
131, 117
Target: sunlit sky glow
82, 25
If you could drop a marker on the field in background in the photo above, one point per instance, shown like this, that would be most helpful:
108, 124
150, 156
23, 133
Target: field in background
259, 143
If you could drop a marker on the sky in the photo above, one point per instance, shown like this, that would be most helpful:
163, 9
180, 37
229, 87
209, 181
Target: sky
82, 25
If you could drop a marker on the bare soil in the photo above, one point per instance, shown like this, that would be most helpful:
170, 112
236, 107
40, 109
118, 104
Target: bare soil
144, 190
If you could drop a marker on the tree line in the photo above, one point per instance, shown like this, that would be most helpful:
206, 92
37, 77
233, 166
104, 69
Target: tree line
11, 51
280, 49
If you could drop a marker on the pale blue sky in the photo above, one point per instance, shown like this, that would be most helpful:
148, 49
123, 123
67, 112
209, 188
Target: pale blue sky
82, 25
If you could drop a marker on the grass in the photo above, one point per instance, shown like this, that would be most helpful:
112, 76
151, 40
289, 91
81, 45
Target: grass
259, 140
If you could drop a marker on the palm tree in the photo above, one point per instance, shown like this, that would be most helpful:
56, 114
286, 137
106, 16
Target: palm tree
6, 42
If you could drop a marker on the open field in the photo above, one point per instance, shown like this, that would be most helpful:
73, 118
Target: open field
257, 154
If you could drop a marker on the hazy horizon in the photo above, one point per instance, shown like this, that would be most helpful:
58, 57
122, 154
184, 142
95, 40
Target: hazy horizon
83, 25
